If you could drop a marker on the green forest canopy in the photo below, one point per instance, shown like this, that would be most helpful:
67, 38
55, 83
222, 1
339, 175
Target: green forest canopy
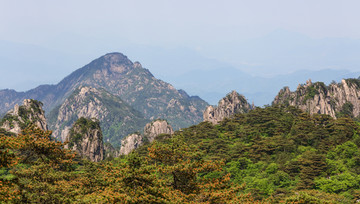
269, 155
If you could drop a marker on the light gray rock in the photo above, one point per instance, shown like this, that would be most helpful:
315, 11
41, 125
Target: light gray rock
228, 106
322, 99
117, 118
157, 127
86, 139
151, 131
131, 142
20, 117
79, 106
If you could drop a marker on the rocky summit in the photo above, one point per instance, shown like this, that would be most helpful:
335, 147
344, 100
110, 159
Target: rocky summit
117, 118
86, 138
119, 76
231, 104
157, 127
336, 99
30, 112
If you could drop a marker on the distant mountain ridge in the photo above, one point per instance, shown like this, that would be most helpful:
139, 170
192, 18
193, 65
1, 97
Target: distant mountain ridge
116, 74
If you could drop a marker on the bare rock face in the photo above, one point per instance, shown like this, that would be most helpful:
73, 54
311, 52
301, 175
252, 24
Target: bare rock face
85, 137
131, 142
151, 131
76, 107
117, 118
336, 100
231, 104
157, 127
20, 117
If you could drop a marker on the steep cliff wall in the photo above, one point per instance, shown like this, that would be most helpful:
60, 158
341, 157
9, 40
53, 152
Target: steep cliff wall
130, 143
85, 137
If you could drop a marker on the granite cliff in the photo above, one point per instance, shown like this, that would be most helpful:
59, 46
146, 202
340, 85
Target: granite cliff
157, 127
231, 104
85, 137
117, 118
151, 131
131, 142
336, 99
30, 112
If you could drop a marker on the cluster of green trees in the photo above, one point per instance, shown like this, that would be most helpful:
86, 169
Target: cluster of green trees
281, 151
36, 169
269, 155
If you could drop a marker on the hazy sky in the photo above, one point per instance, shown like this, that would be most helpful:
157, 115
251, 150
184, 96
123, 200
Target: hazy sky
53, 38
190, 23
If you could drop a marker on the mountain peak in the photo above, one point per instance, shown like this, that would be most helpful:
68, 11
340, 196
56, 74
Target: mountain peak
231, 104
116, 58
115, 54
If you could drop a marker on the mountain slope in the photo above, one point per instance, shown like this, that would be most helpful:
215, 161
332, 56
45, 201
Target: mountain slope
116, 117
116, 74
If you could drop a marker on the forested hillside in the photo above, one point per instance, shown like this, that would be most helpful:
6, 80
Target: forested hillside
269, 155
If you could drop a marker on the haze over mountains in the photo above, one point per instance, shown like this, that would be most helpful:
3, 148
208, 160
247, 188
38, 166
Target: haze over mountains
256, 68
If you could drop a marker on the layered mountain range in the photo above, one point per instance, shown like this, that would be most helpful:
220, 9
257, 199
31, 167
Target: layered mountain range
118, 90
123, 96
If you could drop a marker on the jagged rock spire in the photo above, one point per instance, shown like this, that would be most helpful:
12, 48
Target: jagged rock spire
231, 104
20, 117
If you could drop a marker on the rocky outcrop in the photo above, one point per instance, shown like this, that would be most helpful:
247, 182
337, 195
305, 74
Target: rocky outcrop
231, 104
151, 132
131, 142
117, 118
86, 138
157, 127
337, 99
20, 117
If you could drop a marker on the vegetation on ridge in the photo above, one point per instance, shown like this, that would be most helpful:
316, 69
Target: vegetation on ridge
84, 125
